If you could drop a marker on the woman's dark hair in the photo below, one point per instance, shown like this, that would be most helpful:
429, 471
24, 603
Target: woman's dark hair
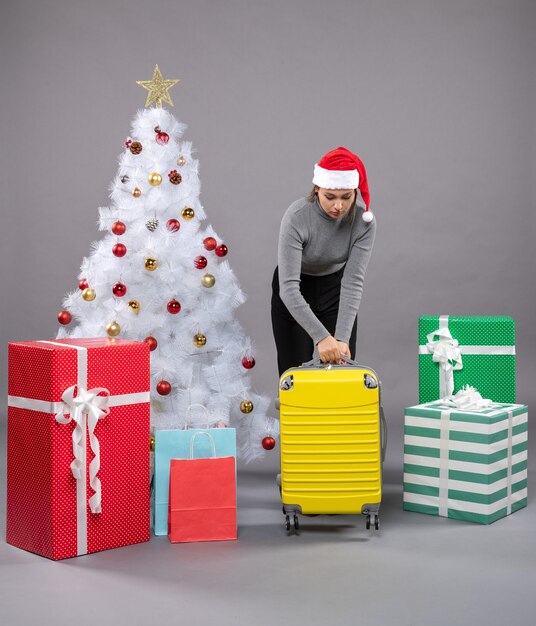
312, 197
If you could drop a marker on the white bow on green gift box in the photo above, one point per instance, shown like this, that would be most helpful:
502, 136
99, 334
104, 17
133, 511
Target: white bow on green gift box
445, 351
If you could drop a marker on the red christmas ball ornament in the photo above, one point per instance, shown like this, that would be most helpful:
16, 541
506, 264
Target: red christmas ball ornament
173, 307
200, 262
119, 290
83, 284
119, 249
161, 137
64, 317
221, 250
268, 443
152, 343
173, 225
118, 228
210, 243
248, 363
163, 387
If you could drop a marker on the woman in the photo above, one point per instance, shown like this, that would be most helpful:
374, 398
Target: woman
325, 244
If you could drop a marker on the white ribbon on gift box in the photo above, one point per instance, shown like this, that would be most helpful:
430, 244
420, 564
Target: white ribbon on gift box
467, 399
509, 467
446, 351
85, 409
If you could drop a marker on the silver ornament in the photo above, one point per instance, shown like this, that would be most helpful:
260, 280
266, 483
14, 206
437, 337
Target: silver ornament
152, 224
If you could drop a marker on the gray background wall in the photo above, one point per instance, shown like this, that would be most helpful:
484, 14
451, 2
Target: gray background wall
437, 98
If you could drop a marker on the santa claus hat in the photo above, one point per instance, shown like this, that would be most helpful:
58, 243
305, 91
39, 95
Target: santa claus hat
342, 169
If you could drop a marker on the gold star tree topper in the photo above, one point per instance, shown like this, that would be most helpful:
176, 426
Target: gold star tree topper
158, 89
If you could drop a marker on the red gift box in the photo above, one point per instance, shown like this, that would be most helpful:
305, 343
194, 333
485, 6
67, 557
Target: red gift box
78, 445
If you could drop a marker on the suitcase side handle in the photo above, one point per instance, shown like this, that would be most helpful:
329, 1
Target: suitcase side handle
383, 433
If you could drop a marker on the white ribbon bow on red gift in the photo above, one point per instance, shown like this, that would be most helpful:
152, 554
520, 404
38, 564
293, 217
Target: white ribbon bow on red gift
446, 352
85, 409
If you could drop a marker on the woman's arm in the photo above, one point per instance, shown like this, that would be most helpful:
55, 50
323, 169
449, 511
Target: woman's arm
291, 241
353, 277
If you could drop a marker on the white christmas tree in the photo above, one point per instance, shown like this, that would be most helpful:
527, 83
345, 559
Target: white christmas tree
159, 276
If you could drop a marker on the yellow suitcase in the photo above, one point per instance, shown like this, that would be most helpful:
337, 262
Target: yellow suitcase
333, 439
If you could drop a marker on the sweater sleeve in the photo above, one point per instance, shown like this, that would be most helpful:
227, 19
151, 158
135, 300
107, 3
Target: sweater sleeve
291, 242
353, 278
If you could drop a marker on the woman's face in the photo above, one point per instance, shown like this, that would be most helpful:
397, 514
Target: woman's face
336, 202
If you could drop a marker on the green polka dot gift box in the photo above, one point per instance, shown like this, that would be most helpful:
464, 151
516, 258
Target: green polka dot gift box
455, 351
466, 465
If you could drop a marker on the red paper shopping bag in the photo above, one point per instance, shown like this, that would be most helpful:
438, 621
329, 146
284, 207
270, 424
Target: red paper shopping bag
202, 498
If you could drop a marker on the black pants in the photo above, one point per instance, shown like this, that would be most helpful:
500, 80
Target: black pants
294, 346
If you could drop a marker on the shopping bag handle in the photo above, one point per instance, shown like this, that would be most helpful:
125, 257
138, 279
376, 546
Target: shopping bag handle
200, 434
317, 361
188, 410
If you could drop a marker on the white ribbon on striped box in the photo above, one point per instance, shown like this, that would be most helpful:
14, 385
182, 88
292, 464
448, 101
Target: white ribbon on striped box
444, 447
85, 409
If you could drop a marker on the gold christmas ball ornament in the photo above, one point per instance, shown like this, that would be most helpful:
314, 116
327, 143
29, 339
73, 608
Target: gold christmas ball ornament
89, 294
151, 264
246, 406
208, 280
134, 306
152, 442
113, 329
188, 213
136, 192
200, 340
155, 179
181, 161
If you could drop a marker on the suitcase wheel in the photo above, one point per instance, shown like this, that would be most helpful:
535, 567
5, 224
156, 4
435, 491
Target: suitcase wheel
367, 523
377, 522
287, 522
296, 523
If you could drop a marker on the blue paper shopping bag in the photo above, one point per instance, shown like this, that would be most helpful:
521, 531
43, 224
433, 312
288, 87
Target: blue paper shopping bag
175, 444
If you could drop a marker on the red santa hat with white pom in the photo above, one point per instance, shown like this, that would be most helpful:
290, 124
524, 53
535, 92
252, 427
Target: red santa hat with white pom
342, 169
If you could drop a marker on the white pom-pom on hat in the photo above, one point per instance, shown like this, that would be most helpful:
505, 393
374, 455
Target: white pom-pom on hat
368, 216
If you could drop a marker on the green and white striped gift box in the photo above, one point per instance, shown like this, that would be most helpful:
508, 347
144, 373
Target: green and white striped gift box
467, 465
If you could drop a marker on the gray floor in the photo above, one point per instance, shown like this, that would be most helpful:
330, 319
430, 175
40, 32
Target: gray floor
416, 570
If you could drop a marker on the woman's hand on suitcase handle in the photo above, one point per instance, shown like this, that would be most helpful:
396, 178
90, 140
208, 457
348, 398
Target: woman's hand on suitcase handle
329, 350
344, 349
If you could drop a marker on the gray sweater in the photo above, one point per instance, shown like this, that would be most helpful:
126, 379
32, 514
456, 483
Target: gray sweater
312, 242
